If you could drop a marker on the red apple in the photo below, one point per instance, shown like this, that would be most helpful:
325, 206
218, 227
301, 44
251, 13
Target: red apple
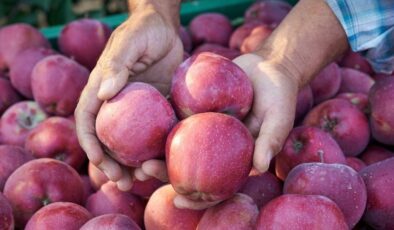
110, 221
207, 82
56, 138
161, 213
22, 66
238, 212
11, 158
40, 182
382, 107
210, 27
354, 81
240, 33
360, 100
256, 38
346, 124
8, 95
355, 163
326, 84
269, 12
338, 182
375, 153
87, 187
135, 123
200, 151
59, 215
307, 144
109, 199
186, 39
16, 38
378, 178
304, 103
217, 49
262, 188
6, 216
356, 61
96, 176
57, 83
84, 40
18, 120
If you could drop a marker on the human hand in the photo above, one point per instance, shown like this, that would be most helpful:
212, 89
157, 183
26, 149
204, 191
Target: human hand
145, 48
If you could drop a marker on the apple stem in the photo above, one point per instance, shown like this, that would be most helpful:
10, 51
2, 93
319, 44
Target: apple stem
320, 153
46, 201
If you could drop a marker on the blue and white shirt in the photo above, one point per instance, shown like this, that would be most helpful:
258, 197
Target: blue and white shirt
369, 26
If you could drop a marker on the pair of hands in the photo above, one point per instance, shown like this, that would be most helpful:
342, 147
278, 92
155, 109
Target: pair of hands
147, 48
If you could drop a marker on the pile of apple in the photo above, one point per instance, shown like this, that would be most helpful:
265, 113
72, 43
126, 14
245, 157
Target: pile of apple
335, 171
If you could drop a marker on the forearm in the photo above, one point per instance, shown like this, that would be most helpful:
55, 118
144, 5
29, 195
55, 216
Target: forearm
308, 39
168, 9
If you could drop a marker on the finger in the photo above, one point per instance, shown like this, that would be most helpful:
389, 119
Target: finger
185, 203
113, 81
126, 181
156, 168
276, 127
85, 117
140, 175
253, 124
110, 168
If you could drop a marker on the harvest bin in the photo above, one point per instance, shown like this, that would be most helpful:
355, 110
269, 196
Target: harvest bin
234, 9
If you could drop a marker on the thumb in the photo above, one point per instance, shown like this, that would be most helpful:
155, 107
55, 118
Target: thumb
273, 133
112, 82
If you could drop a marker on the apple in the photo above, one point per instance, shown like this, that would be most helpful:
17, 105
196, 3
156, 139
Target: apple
201, 149
240, 33
18, 120
304, 103
217, 49
22, 66
375, 153
83, 40
210, 27
40, 182
135, 123
355, 163
238, 212
301, 212
11, 158
345, 122
382, 107
109, 199
326, 83
59, 215
56, 137
6, 216
269, 12
186, 39
87, 187
16, 38
356, 61
354, 81
360, 100
255, 39
339, 182
96, 176
161, 213
8, 95
379, 181
307, 144
208, 82
113, 221
57, 83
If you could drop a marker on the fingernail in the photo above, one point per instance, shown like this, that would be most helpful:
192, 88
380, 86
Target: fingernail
105, 86
140, 175
124, 184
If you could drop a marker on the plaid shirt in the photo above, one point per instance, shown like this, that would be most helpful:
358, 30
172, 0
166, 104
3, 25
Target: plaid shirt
369, 26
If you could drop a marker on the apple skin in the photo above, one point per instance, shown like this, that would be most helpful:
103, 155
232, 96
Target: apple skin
307, 144
238, 212
256, 38
360, 100
345, 122
40, 182
375, 153
240, 33
186, 39
326, 83
11, 158
59, 215
161, 213
356, 61
22, 66
8, 95
217, 49
84, 40
135, 123
57, 83
301, 212
339, 182
304, 103
355, 163
382, 107
200, 151
19, 120
210, 27
109, 199
354, 81
56, 137
208, 82
268, 12
262, 188
378, 178
16, 38
6, 216
113, 221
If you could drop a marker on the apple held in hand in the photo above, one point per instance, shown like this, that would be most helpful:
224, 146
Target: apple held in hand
209, 156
